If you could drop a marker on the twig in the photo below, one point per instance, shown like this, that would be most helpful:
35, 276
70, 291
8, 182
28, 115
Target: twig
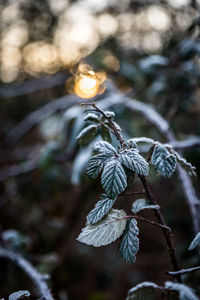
184, 271
142, 219
37, 278
161, 220
153, 223
152, 199
109, 119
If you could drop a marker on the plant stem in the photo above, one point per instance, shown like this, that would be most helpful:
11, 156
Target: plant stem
166, 233
109, 119
184, 271
153, 223
159, 216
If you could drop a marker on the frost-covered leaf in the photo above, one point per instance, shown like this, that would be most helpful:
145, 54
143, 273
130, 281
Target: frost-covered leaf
101, 209
113, 178
87, 134
142, 140
141, 204
143, 291
19, 295
195, 242
134, 161
185, 164
129, 244
185, 293
106, 231
104, 147
164, 162
91, 117
95, 165
142, 143
110, 114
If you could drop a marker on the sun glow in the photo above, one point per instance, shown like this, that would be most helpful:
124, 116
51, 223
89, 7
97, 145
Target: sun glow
86, 86
86, 83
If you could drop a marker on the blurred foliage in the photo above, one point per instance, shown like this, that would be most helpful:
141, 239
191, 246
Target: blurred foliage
150, 50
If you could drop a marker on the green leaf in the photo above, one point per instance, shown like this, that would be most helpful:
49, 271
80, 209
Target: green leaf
95, 165
164, 162
185, 293
113, 178
87, 134
105, 148
101, 209
19, 295
134, 161
129, 244
143, 291
141, 204
106, 231
195, 242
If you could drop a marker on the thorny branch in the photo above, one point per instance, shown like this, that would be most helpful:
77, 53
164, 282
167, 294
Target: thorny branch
159, 216
161, 220
38, 279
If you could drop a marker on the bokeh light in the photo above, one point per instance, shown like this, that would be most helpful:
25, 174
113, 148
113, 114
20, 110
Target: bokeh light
67, 32
86, 83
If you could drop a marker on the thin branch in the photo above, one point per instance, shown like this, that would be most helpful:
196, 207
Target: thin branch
27, 87
153, 223
188, 143
142, 219
166, 233
184, 271
109, 119
152, 199
37, 278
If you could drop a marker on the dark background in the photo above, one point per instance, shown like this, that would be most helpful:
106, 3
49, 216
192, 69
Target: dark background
150, 51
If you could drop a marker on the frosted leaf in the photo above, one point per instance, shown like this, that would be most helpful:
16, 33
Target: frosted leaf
101, 209
141, 204
129, 245
106, 231
113, 178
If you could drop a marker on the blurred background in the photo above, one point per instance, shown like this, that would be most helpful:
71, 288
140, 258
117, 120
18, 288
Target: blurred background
149, 50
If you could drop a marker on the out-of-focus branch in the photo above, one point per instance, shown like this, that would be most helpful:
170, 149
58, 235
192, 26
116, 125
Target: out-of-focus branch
39, 115
38, 279
27, 87
190, 142
184, 271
